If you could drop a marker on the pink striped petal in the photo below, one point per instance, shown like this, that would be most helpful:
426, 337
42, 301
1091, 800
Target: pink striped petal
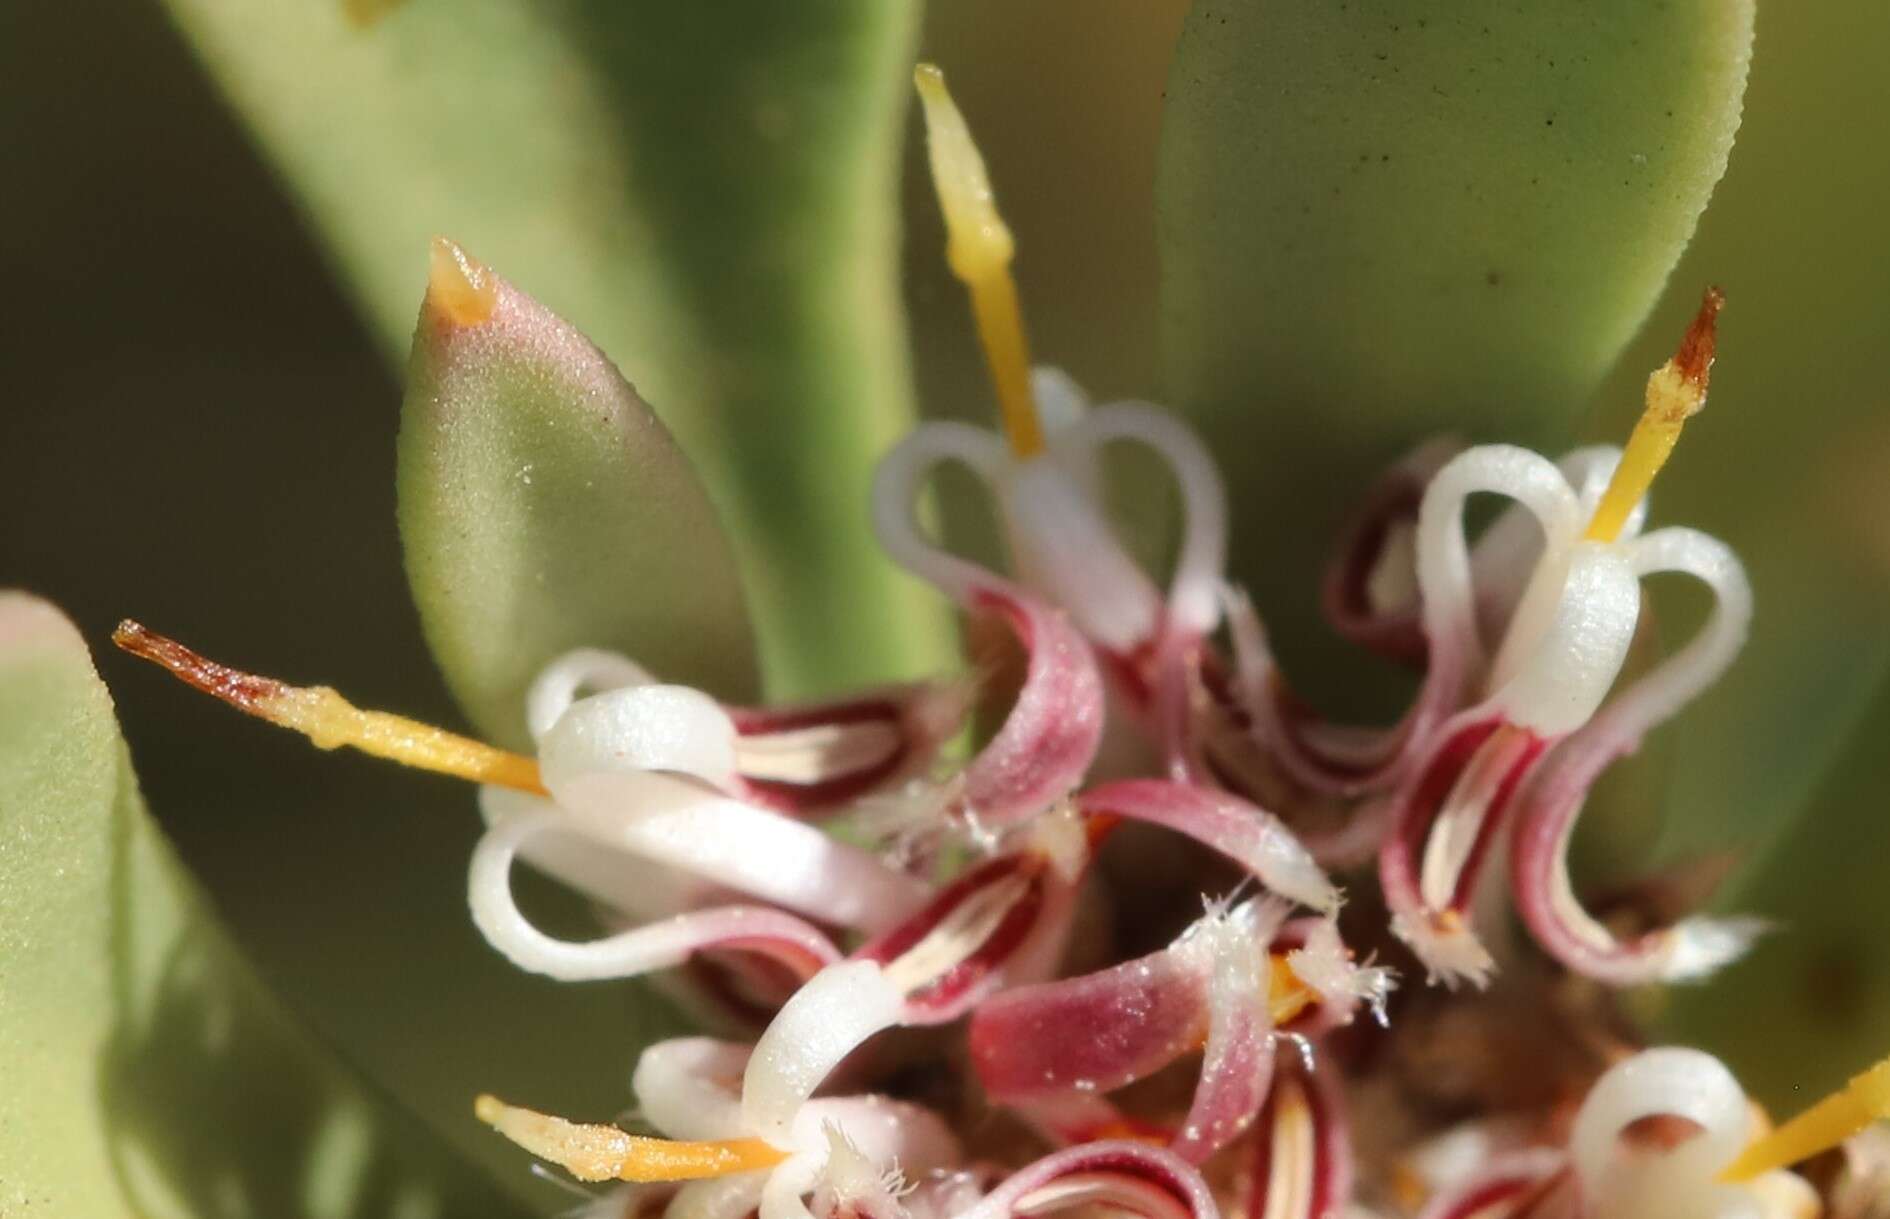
1243, 832
1510, 1187
816, 757
1694, 947
1359, 591
1302, 1164
1146, 1181
1445, 826
1051, 735
964, 943
1051, 1048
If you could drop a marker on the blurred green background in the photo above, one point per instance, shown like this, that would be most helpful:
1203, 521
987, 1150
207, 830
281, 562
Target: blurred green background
198, 430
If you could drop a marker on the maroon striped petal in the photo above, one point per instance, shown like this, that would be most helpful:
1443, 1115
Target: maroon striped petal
816, 757
1359, 593
1004, 916
1302, 1164
1121, 1175
1445, 825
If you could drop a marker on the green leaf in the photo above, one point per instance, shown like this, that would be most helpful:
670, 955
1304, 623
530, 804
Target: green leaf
1379, 223
1787, 461
143, 1069
707, 190
544, 508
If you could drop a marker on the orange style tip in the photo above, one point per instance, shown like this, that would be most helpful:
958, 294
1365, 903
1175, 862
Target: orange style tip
1694, 359
242, 690
488, 1108
459, 286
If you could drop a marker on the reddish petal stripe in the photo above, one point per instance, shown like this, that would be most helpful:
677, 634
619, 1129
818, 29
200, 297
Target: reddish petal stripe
1508, 1188
1546, 899
1147, 1181
1344, 591
814, 758
1341, 759
1048, 741
955, 950
1302, 1150
1462, 791
1091, 1034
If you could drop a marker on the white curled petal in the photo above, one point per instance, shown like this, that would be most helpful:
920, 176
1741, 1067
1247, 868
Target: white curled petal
1066, 549
897, 485
685, 1087
1708, 654
764, 854
826, 1020
1506, 553
616, 749
733, 1197
640, 950
559, 683
1194, 592
1552, 673
1679, 1181
629, 884
784, 1195
1443, 559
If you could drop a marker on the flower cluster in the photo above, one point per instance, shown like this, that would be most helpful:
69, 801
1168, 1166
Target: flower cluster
811, 879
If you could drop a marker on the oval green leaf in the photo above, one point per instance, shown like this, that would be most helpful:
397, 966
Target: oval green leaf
1376, 225
143, 1069
709, 189
543, 508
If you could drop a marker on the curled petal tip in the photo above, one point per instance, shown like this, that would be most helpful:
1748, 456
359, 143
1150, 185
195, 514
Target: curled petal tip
459, 286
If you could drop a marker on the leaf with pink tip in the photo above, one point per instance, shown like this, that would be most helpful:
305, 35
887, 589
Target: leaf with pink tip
543, 507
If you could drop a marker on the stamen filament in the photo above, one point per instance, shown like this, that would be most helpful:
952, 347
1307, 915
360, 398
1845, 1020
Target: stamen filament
1675, 392
330, 721
979, 248
1837, 1117
605, 1153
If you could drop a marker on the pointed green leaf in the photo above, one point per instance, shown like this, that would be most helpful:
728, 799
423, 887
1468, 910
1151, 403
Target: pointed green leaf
707, 190
1379, 224
143, 1069
544, 508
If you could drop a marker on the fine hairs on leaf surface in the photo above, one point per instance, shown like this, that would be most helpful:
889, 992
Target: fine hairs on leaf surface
1376, 224
707, 192
143, 1069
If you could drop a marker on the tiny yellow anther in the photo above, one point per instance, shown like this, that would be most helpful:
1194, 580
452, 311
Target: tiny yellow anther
1675, 393
979, 248
329, 720
605, 1153
459, 286
1837, 1117
1287, 994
